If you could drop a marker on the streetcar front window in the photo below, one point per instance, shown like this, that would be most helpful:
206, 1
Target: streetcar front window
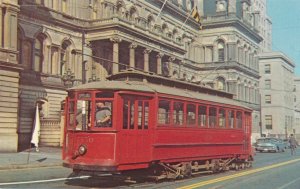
103, 113
83, 113
103, 117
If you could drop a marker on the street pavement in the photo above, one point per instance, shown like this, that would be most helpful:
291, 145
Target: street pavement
30, 158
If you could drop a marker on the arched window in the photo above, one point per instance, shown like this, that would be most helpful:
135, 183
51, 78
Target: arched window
221, 51
220, 84
38, 55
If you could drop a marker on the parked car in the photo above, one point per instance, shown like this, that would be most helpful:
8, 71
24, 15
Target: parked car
270, 145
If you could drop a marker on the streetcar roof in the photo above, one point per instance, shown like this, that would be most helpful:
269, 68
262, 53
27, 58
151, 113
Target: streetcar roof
154, 88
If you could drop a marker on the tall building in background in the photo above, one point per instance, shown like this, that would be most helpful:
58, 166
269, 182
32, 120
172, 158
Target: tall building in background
277, 97
276, 81
263, 23
296, 90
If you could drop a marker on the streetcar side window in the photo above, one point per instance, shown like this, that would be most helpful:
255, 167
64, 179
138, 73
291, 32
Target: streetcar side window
164, 112
143, 114
146, 115
140, 114
222, 115
131, 125
239, 119
128, 114
230, 119
202, 116
212, 119
178, 113
191, 114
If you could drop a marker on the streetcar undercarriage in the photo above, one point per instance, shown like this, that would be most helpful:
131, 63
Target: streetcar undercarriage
160, 170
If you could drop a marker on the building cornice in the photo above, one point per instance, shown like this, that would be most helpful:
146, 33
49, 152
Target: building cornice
276, 55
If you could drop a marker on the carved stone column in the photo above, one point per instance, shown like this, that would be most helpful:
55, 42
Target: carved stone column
132, 47
146, 59
115, 66
159, 68
181, 70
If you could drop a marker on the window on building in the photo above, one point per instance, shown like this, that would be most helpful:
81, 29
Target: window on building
268, 120
221, 51
38, 52
64, 56
267, 68
221, 84
268, 99
19, 46
267, 84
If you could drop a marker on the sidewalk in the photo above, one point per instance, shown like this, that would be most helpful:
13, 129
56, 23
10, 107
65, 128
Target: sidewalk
46, 157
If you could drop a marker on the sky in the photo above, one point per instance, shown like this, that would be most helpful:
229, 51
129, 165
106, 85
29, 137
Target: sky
285, 17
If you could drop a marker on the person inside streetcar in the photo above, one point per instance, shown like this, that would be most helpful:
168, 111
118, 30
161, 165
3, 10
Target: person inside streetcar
103, 115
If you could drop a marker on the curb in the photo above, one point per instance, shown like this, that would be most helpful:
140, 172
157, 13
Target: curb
26, 166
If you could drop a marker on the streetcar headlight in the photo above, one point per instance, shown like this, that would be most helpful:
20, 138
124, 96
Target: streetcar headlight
82, 150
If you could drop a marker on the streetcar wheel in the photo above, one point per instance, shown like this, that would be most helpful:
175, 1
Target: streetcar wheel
237, 167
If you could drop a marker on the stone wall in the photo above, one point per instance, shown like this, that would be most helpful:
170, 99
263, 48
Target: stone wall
8, 110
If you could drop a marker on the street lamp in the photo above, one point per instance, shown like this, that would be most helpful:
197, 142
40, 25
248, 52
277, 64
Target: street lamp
68, 78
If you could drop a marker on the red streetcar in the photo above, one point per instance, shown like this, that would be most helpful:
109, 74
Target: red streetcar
156, 126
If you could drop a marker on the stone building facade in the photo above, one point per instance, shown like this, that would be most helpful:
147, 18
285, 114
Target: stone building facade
59, 44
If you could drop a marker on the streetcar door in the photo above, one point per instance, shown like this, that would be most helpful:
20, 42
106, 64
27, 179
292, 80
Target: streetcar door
247, 131
135, 140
